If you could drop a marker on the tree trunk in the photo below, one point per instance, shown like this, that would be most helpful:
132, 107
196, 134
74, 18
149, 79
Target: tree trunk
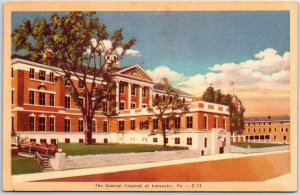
88, 132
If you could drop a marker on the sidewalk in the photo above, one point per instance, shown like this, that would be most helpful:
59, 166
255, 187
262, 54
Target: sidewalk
111, 169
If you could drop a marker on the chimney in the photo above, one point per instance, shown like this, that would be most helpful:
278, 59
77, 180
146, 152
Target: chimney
164, 81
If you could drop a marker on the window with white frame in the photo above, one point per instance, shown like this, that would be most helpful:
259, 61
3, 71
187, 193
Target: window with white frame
94, 126
215, 122
132, 105
51, 102
132, 124
80, 84
12, 96
189, 141
42, 99
177, 122
52, 124
144, 92
31, 97
80, 101
31, 123
122, 105
104, 106
67, 125
67, 83
80, 125
205, 142
122, 89
51, 77
205, 126
67, 101
155, 123
121, 125
42, 75
189, 122
105, 126
31, 73
224, 123
42, 123
177, 140
166, 123
133, 90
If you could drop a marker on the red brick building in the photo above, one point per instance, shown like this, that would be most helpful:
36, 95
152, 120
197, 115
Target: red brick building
43, 111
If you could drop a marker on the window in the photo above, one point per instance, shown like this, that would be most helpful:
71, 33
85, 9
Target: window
105, 126
284, 137
67, 101
166, 123
269, 129
286, 129
122, 89
254, 130
275, 130
43, 141
121, 125
31, 73
80, 125
51, 77
205, 122
270, 123
166, 140
164, 98
13, 123
67, 83
224, 123
80, 101
205, 142
122, 106
154, 139
189, 141
52, 124
141, 125
281, 129
215, 122
67, 140
132, 124
94, 125
144, 105
155, 124
170, 99
80, 84
189, 122
32, 140
144, 92
67, 125
177, 140
274, 137
12, 72
42, 98
183, 100
12, 97
132, 105
31, 123
132, 90
31, 97
177, 123
51, 103
42, 75
105, 140
146, 125
156, 96
42, 122
80, 140
93, 140
104, 104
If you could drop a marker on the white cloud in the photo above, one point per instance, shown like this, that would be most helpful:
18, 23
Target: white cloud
106, 45
263, 77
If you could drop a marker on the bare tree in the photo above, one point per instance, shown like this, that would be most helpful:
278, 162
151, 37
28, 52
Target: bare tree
167, 108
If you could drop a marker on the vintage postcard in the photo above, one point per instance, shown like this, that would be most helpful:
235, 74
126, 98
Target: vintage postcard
150, 96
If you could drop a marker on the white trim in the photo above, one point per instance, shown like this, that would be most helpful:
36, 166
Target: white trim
43, 91
136, 66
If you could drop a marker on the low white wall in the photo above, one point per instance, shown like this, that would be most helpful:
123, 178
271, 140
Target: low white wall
235, 149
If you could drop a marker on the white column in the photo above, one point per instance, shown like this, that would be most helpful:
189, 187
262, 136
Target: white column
151, 96
140, 96
117, 95
129, 95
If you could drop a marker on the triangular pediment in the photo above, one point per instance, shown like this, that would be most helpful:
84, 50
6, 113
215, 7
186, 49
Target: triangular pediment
135, 71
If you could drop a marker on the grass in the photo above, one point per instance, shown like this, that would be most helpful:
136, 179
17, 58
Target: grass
22, 165
83, 149
256, 145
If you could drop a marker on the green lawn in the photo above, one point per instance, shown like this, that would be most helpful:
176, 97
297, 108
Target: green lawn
256, 145
83, 149
22, 165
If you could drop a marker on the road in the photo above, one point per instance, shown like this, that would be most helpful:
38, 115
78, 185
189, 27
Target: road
253, 168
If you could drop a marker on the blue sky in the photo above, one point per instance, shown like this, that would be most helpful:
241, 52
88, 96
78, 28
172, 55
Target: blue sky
190, 42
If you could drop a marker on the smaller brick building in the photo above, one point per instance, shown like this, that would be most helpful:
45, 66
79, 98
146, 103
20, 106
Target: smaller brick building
270, 129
